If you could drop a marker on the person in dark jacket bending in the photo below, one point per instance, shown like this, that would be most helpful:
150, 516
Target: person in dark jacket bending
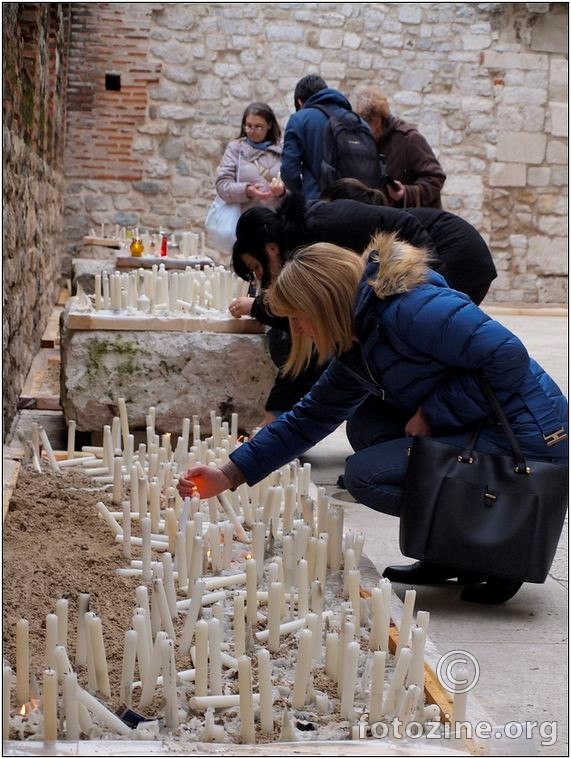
265, 240
394, 332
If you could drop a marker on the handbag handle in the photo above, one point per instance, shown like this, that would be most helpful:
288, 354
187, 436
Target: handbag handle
520, 465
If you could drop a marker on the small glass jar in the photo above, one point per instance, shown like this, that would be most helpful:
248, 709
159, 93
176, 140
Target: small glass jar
137, 247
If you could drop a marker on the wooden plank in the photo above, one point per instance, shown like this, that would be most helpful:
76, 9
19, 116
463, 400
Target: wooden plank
147, 262
41, 389
108, 320
51, 336
104, 242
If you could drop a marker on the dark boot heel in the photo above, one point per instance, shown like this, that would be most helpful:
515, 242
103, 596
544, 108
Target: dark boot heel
496, 590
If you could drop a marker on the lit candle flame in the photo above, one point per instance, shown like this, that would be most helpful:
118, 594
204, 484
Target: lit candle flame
31, 706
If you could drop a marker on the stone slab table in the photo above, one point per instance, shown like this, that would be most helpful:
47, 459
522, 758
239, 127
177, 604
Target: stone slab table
181, 365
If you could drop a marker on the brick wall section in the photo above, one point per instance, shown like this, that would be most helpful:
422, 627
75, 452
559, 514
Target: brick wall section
35, 40
485, 83
107, 38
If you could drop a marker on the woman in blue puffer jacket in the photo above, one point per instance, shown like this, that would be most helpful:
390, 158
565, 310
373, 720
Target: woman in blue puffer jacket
405, 351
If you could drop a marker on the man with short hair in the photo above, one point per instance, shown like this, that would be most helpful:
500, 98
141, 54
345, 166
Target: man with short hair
303, 138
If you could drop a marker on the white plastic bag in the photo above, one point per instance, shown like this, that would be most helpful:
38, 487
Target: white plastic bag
220, 225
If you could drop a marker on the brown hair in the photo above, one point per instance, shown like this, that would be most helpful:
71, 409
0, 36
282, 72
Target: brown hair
319, 282
265, 112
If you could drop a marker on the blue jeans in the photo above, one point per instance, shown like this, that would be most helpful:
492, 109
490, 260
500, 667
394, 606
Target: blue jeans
374, 474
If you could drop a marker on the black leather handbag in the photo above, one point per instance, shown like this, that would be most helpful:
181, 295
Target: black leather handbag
495, 514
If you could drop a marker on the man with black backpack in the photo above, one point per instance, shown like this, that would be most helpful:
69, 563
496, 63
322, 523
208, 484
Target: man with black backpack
325, 140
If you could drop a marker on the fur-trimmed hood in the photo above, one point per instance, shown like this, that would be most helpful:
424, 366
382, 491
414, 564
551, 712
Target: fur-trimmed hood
401, 266
393, 268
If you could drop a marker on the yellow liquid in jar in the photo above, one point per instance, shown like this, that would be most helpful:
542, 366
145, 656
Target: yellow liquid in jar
137, 247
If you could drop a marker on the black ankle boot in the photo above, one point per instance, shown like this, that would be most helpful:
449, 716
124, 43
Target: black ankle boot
425, 573
496, 590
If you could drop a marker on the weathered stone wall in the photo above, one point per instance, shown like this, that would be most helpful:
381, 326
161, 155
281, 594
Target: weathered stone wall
485, 82
35, 38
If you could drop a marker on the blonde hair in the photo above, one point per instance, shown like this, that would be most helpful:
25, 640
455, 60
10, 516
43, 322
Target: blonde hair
371, 101
320, 283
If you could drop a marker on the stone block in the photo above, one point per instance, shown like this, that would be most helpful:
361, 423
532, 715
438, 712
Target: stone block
559, 113
522, 146
180, 374
507, 175
551, 254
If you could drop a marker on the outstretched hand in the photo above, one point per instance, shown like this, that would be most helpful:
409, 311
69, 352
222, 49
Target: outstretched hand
241, 306
204, 481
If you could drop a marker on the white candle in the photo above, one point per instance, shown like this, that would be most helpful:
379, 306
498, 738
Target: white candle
231, 514
71, 706
302, 588
128, 667
247, 732
102, 713
258, 544
265, 689
302, 669
109, 518
331, 655
397, 682
154, 504
202, 703
126, 507
49, 704
169, 683
163, 605
63, 665
321, 561
251, 591
168, 581
406, 620
314, 624
354, 597
22, 662
146, 536
54, 466
377, 686
376, 619
140, 623
423, 620
289, 507
192, 615
117, 480
239, 625
386, 590
98, 298
274, 616
215, 661
415, 674
81, 645
200, 658
95, 631
461, 681
349, 680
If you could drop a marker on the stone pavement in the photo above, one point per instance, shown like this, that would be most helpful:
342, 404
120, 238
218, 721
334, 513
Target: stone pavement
522, 645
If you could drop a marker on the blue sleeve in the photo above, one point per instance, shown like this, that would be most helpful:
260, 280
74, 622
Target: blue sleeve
292, 165
329, 402
453, 330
